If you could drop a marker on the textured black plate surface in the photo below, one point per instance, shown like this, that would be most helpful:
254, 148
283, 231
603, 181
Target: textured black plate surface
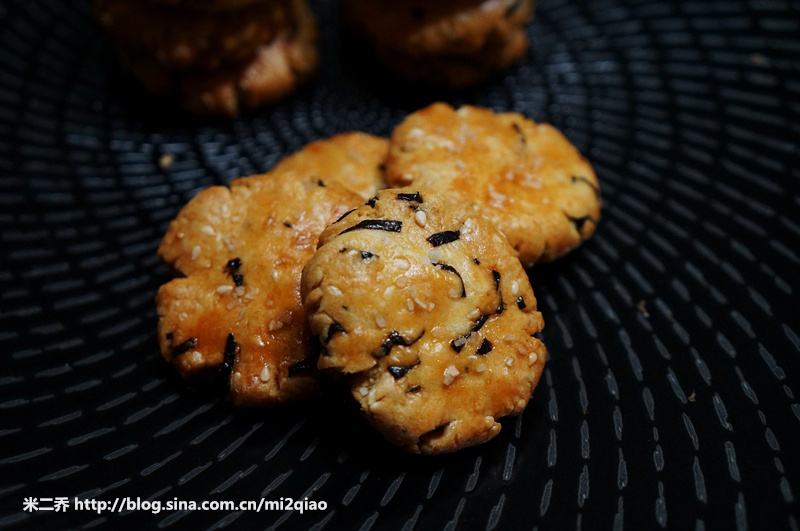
671, 396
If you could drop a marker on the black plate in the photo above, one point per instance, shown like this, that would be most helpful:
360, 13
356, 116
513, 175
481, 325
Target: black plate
671, 396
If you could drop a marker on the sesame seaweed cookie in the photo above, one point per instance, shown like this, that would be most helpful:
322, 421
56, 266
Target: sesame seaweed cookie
275, 71
356, 160
425, 308
454, 44
526, 177
236, 315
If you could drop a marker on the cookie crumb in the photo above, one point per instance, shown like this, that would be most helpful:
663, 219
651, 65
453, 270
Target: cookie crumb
165, 161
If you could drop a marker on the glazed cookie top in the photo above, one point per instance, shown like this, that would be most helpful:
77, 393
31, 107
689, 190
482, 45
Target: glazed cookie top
356, 160
425, 306
237, 314
526, 177
419, 27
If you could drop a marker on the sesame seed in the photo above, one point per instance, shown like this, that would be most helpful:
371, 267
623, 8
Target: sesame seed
224, 289
225, 210
480, 368
197, 357
410, 304
514, 288
274, 274
474, 313
240, 290
275, 325
401, 281
363, 391
454, 293
195, 252
435, 255
259, 341
510, 337
509, 361
380, 321
333, 290
241, 313
431, 306
450, 374
533, 358
402, 263
207, 230
421, 218
264, 376
421, 303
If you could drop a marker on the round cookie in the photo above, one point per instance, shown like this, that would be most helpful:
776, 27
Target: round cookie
418, 27
237, 315
181, 39
425, 308
356, 160
526, 177
276, 70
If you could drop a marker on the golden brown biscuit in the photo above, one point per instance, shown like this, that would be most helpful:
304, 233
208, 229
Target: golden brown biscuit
237, 314
275, 71
356, 160
181, 39
526, 177
424, 306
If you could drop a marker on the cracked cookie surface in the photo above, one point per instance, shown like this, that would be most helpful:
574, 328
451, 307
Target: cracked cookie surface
236, 315
424, 307
524, 176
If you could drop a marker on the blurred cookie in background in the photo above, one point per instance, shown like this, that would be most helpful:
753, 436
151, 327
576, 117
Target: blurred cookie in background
214, 58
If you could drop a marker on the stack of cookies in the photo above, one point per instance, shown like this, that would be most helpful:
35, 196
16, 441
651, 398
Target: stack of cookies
395, 265
454, 43
215, 57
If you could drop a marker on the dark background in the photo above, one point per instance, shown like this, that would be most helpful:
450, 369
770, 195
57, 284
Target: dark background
671, 396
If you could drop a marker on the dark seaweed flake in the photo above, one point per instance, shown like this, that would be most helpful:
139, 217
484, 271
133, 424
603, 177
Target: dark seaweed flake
479, 322
521, 303
441, 238
366, 255
232, 267
414, 389
485, 348
333, 329
288, 225
389, 225
496, 277
398, 371
190, 343
320, 183
395, 339
302, 366
344, 215
410, 197
372, 201
229, 354
452, 269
